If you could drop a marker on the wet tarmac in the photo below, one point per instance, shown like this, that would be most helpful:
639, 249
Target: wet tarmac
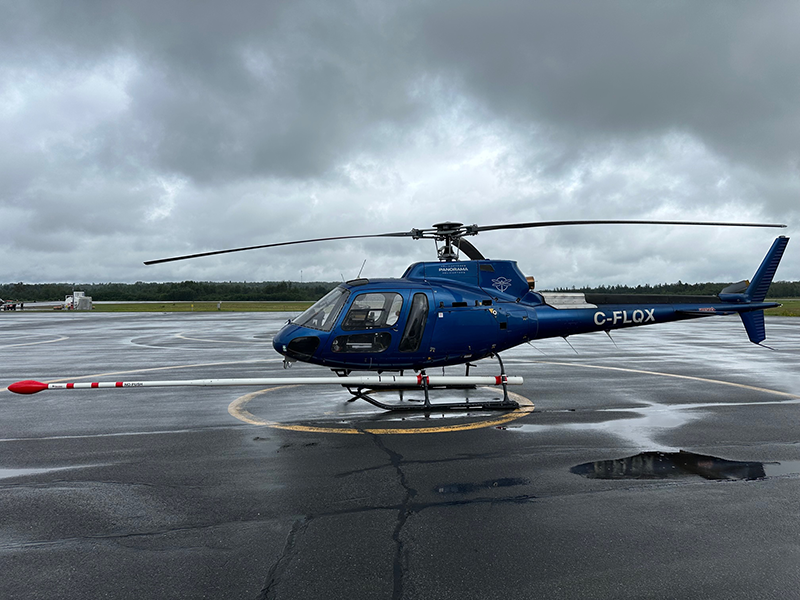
665, 466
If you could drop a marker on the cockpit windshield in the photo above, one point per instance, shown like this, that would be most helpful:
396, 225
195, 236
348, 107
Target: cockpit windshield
323, 313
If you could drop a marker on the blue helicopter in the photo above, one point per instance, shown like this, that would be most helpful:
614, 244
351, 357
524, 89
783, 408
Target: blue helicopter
454, 312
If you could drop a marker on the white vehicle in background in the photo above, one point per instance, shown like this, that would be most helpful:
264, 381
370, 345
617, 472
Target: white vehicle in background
78, 301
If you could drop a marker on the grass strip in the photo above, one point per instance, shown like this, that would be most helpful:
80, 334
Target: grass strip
296, 307
790, 308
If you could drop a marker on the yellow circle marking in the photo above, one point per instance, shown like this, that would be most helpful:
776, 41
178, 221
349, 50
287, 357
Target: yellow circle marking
237, 409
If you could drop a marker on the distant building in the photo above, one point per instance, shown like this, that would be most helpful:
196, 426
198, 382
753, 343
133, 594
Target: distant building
78, 301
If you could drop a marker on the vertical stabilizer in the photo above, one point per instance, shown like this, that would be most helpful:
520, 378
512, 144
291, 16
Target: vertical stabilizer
753, 321
757, 290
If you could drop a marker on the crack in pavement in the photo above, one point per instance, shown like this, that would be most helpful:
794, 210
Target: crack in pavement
400, 564
279, 567
438, 461
405, 508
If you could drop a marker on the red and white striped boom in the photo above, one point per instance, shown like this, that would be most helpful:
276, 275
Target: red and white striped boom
370, 381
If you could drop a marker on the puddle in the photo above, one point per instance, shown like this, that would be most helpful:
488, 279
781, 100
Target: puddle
676, 465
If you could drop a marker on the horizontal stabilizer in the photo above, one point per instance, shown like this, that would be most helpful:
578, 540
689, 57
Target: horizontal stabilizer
736, 288
705, 313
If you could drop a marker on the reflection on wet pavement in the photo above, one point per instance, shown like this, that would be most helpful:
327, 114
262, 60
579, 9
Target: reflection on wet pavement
466, 488
9, 473
670, 465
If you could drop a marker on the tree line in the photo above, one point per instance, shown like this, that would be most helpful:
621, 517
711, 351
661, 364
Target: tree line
778, 289
291, 290
195, 291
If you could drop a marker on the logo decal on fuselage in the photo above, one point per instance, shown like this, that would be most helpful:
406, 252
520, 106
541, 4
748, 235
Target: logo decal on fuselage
502, 283
454, 269
638, 316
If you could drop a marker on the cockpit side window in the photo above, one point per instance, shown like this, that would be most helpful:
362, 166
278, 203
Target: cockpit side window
412, 336
323, 313
373, 310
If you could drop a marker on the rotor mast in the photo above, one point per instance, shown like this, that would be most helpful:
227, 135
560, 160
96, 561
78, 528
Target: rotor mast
447, 232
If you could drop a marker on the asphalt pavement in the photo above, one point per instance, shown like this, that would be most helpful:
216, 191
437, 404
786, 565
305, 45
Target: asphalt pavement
664, 463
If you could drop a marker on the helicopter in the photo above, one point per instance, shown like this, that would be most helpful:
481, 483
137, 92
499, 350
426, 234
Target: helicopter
457, 311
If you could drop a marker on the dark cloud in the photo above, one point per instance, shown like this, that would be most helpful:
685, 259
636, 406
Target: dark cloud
723, 71
138, 130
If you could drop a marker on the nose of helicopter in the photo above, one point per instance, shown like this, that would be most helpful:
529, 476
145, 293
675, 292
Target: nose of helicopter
296, 342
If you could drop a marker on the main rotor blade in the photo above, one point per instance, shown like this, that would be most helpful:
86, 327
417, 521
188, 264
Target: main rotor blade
618, 222
325, 239
471, 251
467, 248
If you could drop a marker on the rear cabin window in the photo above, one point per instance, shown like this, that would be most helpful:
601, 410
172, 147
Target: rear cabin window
412, 336
373, 310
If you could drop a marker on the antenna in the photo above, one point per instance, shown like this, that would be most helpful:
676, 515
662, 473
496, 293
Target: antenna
537, 348
361, 269
608, 333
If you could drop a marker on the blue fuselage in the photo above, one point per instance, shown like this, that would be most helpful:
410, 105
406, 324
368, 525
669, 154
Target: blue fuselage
450, 313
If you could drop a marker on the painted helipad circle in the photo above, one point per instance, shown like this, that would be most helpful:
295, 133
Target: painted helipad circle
238, 409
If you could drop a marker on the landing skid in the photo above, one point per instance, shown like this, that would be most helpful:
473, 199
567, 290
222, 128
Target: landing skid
506, 403
428, 406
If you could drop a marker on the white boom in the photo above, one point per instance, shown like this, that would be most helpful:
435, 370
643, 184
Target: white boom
376, 381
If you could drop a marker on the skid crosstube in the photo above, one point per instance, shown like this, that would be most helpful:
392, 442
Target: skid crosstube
427, 406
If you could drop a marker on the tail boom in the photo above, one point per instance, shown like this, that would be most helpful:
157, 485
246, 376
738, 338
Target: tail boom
605, 312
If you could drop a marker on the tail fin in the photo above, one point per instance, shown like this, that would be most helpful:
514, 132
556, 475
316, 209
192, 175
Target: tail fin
757, 290
753, 321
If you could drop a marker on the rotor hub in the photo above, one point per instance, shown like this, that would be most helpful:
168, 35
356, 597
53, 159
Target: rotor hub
448, 228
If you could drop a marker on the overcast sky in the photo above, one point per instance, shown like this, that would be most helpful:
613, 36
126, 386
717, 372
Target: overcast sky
135, 130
